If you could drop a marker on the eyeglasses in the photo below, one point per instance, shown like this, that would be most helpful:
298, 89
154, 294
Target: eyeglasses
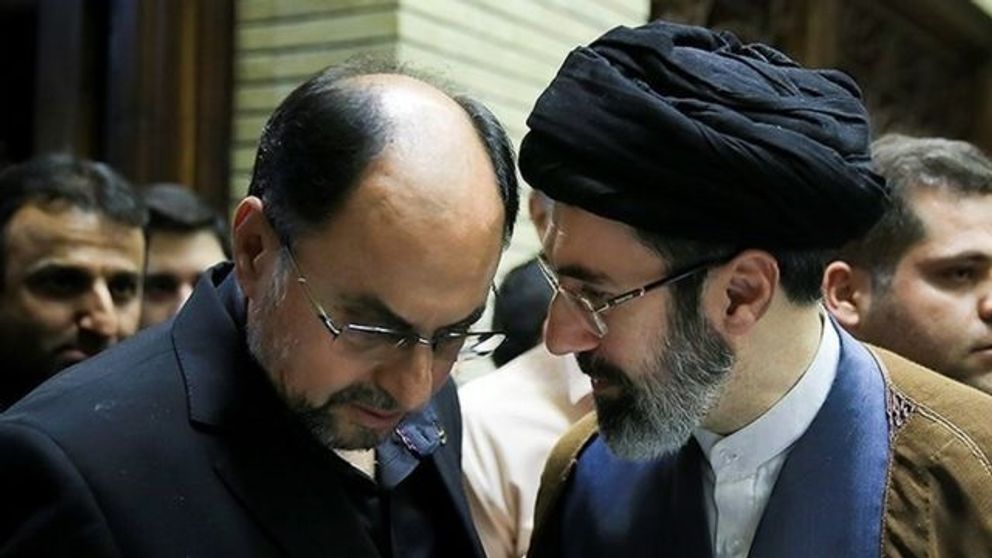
592, 311
379, 344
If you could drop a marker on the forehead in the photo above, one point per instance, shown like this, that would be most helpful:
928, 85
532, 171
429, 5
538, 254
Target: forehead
197, 249
425, 242
953, 223
600, 246
37, 235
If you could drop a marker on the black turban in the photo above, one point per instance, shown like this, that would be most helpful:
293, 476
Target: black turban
688, 133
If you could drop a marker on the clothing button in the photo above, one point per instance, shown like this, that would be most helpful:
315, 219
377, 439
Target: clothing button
727, 457
736, 546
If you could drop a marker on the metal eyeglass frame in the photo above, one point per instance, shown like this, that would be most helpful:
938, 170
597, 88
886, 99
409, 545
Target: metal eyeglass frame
406, 338
595, 312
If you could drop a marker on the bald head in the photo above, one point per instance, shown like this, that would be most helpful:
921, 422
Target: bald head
334, 129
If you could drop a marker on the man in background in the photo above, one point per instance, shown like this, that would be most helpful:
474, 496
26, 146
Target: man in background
71, 261
513, 416
920, 282
185, 236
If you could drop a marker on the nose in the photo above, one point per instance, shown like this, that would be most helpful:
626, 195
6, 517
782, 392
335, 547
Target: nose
409, 378
96, 312
985, 304
565, 331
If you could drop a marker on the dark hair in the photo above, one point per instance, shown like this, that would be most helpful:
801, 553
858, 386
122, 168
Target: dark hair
323, 136
800, 271
175, 208
80, 183
911, 164
521, 305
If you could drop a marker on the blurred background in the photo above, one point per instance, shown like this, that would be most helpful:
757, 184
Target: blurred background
178, 90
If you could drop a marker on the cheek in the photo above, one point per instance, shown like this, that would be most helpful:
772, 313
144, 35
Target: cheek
129, 315
47, 315
311, 367
931, 308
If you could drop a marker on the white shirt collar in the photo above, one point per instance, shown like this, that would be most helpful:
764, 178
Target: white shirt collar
741, 453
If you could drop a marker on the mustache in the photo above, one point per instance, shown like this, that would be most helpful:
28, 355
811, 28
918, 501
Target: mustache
598, 368
362, 394
89, 342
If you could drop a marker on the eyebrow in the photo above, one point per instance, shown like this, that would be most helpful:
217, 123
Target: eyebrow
376, 311
584, 274
970, 256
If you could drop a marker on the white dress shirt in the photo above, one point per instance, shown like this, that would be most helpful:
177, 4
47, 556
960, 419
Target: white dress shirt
744, 466
512, 418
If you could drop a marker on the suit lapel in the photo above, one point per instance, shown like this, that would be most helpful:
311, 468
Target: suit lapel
828, 498
261, 456
299, 501
450, 471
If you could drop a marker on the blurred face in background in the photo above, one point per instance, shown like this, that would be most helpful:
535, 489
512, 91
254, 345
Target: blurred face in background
176, 259
936, 308
71, 288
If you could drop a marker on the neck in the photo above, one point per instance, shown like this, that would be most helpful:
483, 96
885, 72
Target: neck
769, 362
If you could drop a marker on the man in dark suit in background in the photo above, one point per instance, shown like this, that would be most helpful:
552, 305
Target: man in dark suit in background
185, 237
70, 267
300, 403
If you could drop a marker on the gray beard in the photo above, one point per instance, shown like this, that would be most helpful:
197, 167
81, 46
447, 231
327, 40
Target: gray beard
270, 350
656, 413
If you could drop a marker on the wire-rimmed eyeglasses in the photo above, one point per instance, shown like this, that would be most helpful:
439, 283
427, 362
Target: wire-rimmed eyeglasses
592, 311
377, 343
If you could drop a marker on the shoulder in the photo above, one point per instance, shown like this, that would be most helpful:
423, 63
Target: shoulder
526, 370
529, 387
940, 483
108, 393
937, 414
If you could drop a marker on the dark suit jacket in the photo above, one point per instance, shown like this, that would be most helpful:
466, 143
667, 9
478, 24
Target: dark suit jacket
174, 444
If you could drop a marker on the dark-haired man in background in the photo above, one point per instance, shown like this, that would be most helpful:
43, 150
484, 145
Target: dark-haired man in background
696, 194
70, 267
920, 282
185, 237
300, 403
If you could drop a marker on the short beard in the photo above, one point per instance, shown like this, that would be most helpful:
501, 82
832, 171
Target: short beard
656, 413
271, 350
328, 430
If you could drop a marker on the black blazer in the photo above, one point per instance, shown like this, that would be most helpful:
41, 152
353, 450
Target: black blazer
173, 444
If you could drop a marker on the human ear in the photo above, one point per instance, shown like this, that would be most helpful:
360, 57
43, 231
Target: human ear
744, 289
846, 294
253, 242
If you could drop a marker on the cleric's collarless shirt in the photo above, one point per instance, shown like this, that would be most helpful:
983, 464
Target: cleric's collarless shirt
742, 468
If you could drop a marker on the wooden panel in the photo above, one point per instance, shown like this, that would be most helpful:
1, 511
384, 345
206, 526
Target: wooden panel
66, 80
169, 94
922, 64
213, 95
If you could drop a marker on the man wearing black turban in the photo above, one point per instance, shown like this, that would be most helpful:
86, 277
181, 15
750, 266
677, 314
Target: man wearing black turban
699, 186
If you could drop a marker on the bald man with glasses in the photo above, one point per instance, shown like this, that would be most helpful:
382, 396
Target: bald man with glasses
300, 404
